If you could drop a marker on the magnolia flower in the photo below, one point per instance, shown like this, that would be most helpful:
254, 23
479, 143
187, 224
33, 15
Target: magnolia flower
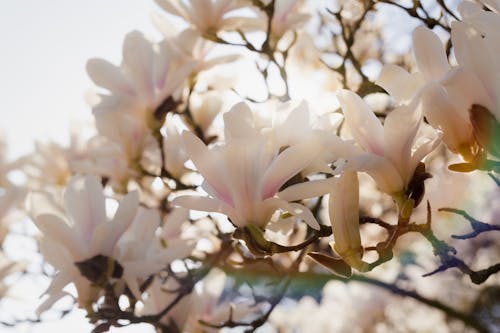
243, 176
344, 217
447, 94
289, 126
148, 75
82, 234
253, 174
476, 41
140, 252
390, 153
210, 16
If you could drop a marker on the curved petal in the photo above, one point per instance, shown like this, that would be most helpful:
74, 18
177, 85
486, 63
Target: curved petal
56, 229
138, 62
400, 84
305, 190
203, 204
209, 164
287, 164
400, 129
107, 234
108, 76
429, 53
364, 126
239, 122
84, 203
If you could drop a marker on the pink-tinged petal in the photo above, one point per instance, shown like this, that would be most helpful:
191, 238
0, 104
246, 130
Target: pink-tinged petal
208, 164
108, 76
364, 126
443, 114
400, 129
107, 234
429, 54
380, 169
239, 122
286, 165
56, 229
226, 197
305, 190
138, 62
84, 203
400, 84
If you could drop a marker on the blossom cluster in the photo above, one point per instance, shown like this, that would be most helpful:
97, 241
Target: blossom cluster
190, 190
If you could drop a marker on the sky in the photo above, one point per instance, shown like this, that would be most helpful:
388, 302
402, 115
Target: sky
45, 45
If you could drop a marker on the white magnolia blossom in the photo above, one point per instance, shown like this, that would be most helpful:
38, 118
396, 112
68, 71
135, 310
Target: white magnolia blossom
243, 176
448, 93
211, 16
148, 75
141, 253
83, 233
476, 41
390, 153
289, 126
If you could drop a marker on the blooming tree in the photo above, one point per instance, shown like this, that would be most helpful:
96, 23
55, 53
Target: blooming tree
263, 160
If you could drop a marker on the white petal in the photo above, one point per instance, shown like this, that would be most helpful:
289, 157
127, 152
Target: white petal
107, 234
429, 53
138, 62
203, 204
287, 164
208, 164
305, 190
400, 128
84, 203
364, 126
108, 76
239, 122
56, 229
400, 84
442, 114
